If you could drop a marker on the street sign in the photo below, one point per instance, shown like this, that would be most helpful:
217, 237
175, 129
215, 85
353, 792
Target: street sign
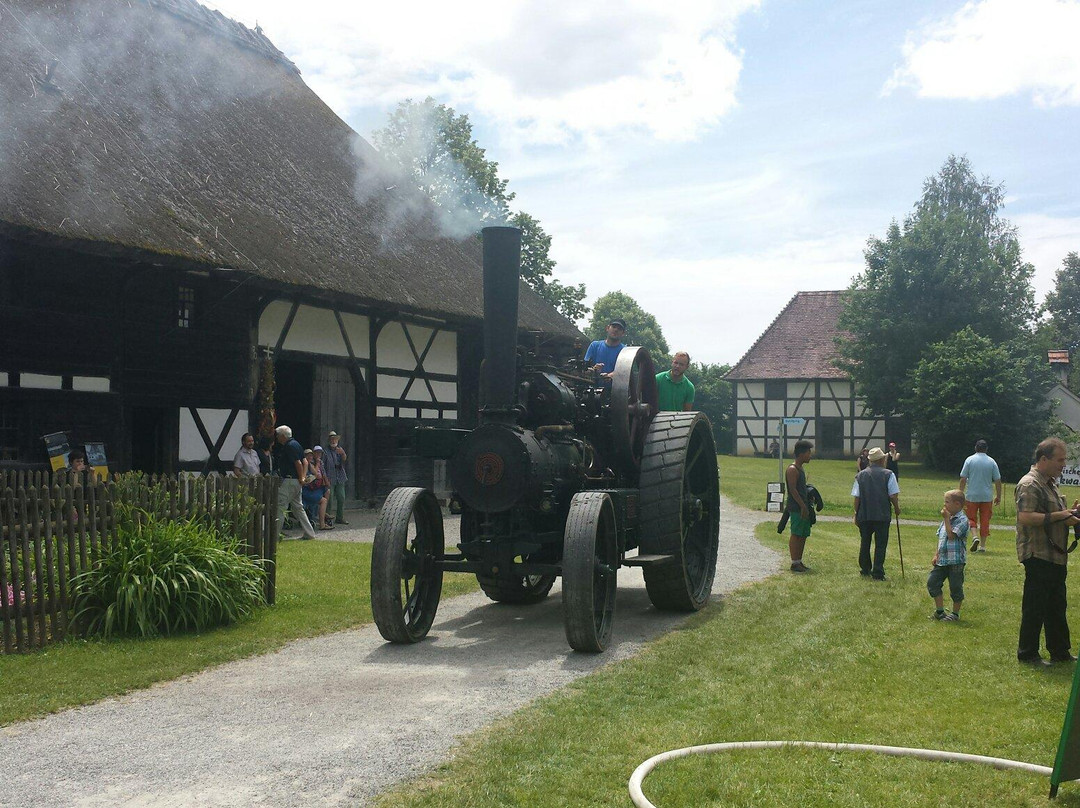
794, 421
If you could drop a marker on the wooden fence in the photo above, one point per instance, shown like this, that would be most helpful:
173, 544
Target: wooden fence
54, 526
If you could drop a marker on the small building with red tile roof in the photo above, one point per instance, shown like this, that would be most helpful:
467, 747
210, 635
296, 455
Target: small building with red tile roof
791, 372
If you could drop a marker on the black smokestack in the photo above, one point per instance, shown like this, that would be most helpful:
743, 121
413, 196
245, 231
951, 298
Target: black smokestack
502, 265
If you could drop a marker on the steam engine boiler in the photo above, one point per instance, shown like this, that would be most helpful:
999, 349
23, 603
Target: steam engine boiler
566, 475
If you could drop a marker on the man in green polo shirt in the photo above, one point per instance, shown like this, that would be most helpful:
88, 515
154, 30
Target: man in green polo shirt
676, 391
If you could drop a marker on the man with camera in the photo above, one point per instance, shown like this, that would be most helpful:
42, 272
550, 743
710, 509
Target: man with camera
1042, 534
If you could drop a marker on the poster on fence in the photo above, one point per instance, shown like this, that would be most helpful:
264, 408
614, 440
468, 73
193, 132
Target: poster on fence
1070, 475
95, 458
56, 446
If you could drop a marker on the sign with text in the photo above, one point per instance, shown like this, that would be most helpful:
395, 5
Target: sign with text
1070, 475
794, 421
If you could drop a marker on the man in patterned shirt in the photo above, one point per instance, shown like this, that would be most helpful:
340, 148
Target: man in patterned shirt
1042, 533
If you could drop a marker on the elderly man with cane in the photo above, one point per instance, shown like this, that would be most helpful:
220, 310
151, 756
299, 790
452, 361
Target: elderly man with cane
874, 491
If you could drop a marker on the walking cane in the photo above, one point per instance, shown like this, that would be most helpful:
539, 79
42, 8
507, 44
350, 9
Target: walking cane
900, 546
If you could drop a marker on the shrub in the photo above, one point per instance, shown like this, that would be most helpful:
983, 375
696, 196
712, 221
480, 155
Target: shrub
162, 577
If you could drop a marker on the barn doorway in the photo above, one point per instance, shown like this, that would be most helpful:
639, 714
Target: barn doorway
149, 434
292, 397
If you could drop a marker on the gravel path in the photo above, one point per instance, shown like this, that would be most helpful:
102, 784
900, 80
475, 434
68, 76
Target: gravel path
336, 719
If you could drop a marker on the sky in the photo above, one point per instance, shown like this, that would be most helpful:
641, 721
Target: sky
710, 159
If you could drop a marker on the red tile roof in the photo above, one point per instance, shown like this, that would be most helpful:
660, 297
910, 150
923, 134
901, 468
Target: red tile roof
1058, 357
800, 342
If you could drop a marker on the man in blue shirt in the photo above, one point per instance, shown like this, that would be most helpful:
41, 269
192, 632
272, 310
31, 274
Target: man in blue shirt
979, 474
603, 353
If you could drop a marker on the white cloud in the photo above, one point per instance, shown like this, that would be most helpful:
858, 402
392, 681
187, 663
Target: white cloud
995, 48
547, 73
1046, 241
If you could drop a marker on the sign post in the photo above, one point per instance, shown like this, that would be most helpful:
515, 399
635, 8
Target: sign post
774, 493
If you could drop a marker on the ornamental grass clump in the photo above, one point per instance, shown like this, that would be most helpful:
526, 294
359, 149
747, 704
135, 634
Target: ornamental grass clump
162, 577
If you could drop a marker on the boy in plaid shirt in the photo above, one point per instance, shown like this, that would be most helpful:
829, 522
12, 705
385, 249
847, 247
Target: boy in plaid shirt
950, 557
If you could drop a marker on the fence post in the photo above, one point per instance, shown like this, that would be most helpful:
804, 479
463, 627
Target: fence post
7, 534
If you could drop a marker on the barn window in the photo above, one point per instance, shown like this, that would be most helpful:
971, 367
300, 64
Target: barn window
185, 307
776, 391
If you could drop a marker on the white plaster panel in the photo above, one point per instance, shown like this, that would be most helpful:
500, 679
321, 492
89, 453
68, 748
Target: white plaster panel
803, 409
356, 326
450, 414
746, 408
838, 389
272, 321
315, 330
445, 392
830, 409
191, 446
392, 349
429, 414
391, 386
753, 389
442, 358
41, 381
4, 380
418, 392
384, 412
90, 384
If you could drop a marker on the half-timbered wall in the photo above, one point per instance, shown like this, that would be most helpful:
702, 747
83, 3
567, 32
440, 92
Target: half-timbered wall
836, 419
392, 372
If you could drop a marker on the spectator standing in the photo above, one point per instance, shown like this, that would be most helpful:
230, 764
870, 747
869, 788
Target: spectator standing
950, 558
798, 505
603, 353
246, 462
892, 460
316, 492
334, 464
980, 481
863, 460
289, 465
1042, 530
874, 491
675, 392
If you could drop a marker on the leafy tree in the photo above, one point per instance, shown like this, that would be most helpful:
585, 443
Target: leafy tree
641, 327
713, 396
1061, 330
434, 147
953, 263
966, 388
537, 267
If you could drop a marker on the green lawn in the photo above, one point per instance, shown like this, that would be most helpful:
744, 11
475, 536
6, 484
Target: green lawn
322, 587
826, 656
743, 479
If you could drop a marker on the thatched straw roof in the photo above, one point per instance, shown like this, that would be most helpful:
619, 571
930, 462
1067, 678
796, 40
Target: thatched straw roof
159, 127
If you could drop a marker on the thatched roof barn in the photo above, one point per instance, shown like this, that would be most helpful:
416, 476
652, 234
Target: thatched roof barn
174, 194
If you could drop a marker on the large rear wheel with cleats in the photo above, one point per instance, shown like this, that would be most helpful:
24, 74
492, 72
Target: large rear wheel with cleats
590, 567
405, 582
680, 510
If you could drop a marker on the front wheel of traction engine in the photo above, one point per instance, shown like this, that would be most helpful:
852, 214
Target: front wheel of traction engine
680, 510
405, 583
589, 568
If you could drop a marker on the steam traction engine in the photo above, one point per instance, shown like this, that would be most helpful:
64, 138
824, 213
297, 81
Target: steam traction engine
566, 474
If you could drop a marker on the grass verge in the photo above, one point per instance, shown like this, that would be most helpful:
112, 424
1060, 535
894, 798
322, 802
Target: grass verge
825, 656
323, 586
743, 480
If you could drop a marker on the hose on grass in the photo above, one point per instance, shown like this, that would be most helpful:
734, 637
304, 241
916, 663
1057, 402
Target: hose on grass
642, 771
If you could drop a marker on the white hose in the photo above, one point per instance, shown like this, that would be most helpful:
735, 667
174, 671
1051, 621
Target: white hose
642, 771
